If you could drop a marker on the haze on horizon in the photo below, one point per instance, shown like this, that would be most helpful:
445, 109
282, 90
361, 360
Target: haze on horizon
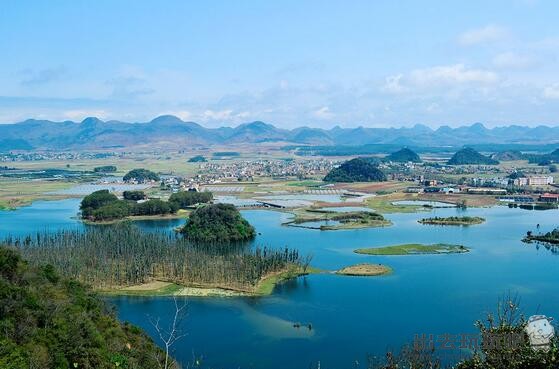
289, 63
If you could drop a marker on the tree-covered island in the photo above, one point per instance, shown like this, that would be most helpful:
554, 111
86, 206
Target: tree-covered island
548, 237
459, 221
219, 224
103, 206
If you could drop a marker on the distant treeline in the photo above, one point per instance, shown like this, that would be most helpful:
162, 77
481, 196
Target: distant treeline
140, 175
226, 153
123, 255
104, 206
105, 169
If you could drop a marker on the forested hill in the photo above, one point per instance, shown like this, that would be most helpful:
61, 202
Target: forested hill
470, 156
356, 170
49, 322
403, 156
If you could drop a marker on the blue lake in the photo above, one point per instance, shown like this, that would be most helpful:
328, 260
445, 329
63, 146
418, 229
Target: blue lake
350, 316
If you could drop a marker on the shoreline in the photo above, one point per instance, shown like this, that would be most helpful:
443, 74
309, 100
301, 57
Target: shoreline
156, 288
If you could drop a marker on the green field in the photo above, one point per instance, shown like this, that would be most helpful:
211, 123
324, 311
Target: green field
414, 249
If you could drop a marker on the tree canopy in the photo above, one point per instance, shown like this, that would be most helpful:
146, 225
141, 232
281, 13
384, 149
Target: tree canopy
96, 200
356, 170
197, 159
134, 195
140, 175
105, 169
51, 322
184, 199
218, 223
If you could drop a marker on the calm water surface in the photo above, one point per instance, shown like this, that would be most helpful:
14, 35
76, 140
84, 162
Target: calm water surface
351, 316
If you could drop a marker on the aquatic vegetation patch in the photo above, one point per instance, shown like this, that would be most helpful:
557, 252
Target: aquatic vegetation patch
414, 249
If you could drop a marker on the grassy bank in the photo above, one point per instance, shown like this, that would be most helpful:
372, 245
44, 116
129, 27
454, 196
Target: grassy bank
384, 203
15, 193
458, 221
414, 249
162, 288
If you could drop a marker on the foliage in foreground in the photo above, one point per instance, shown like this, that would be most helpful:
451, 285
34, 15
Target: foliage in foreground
47, 321
123, 255
503, 345
218, 223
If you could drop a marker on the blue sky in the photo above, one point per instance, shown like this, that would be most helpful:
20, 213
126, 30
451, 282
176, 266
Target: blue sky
290, 63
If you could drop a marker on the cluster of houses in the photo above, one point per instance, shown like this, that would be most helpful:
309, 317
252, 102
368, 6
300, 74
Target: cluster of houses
247, 170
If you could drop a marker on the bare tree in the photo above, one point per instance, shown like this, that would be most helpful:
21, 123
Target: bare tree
171, 334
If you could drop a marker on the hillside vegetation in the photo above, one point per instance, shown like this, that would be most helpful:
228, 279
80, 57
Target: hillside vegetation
356, 170
50, 322
140, 176
403, 156
469, 156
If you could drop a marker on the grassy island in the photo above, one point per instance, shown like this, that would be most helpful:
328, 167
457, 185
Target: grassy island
414, 249
347, 220
218, 223
365, 269
459, 221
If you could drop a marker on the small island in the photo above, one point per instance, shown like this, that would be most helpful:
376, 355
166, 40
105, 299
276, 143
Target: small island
365, 270
456, 221
549, 237
414, 249
308, 218
219, 224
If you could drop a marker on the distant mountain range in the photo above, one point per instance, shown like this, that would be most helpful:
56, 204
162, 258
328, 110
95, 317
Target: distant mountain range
168, 131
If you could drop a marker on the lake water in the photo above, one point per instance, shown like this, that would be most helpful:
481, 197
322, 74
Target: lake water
350, 316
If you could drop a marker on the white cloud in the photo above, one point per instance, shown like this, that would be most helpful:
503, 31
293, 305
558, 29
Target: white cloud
323, 113
551, 92
392, 84
451, 75
184, 115
512, 60
79, 115
489, 33
217, 115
